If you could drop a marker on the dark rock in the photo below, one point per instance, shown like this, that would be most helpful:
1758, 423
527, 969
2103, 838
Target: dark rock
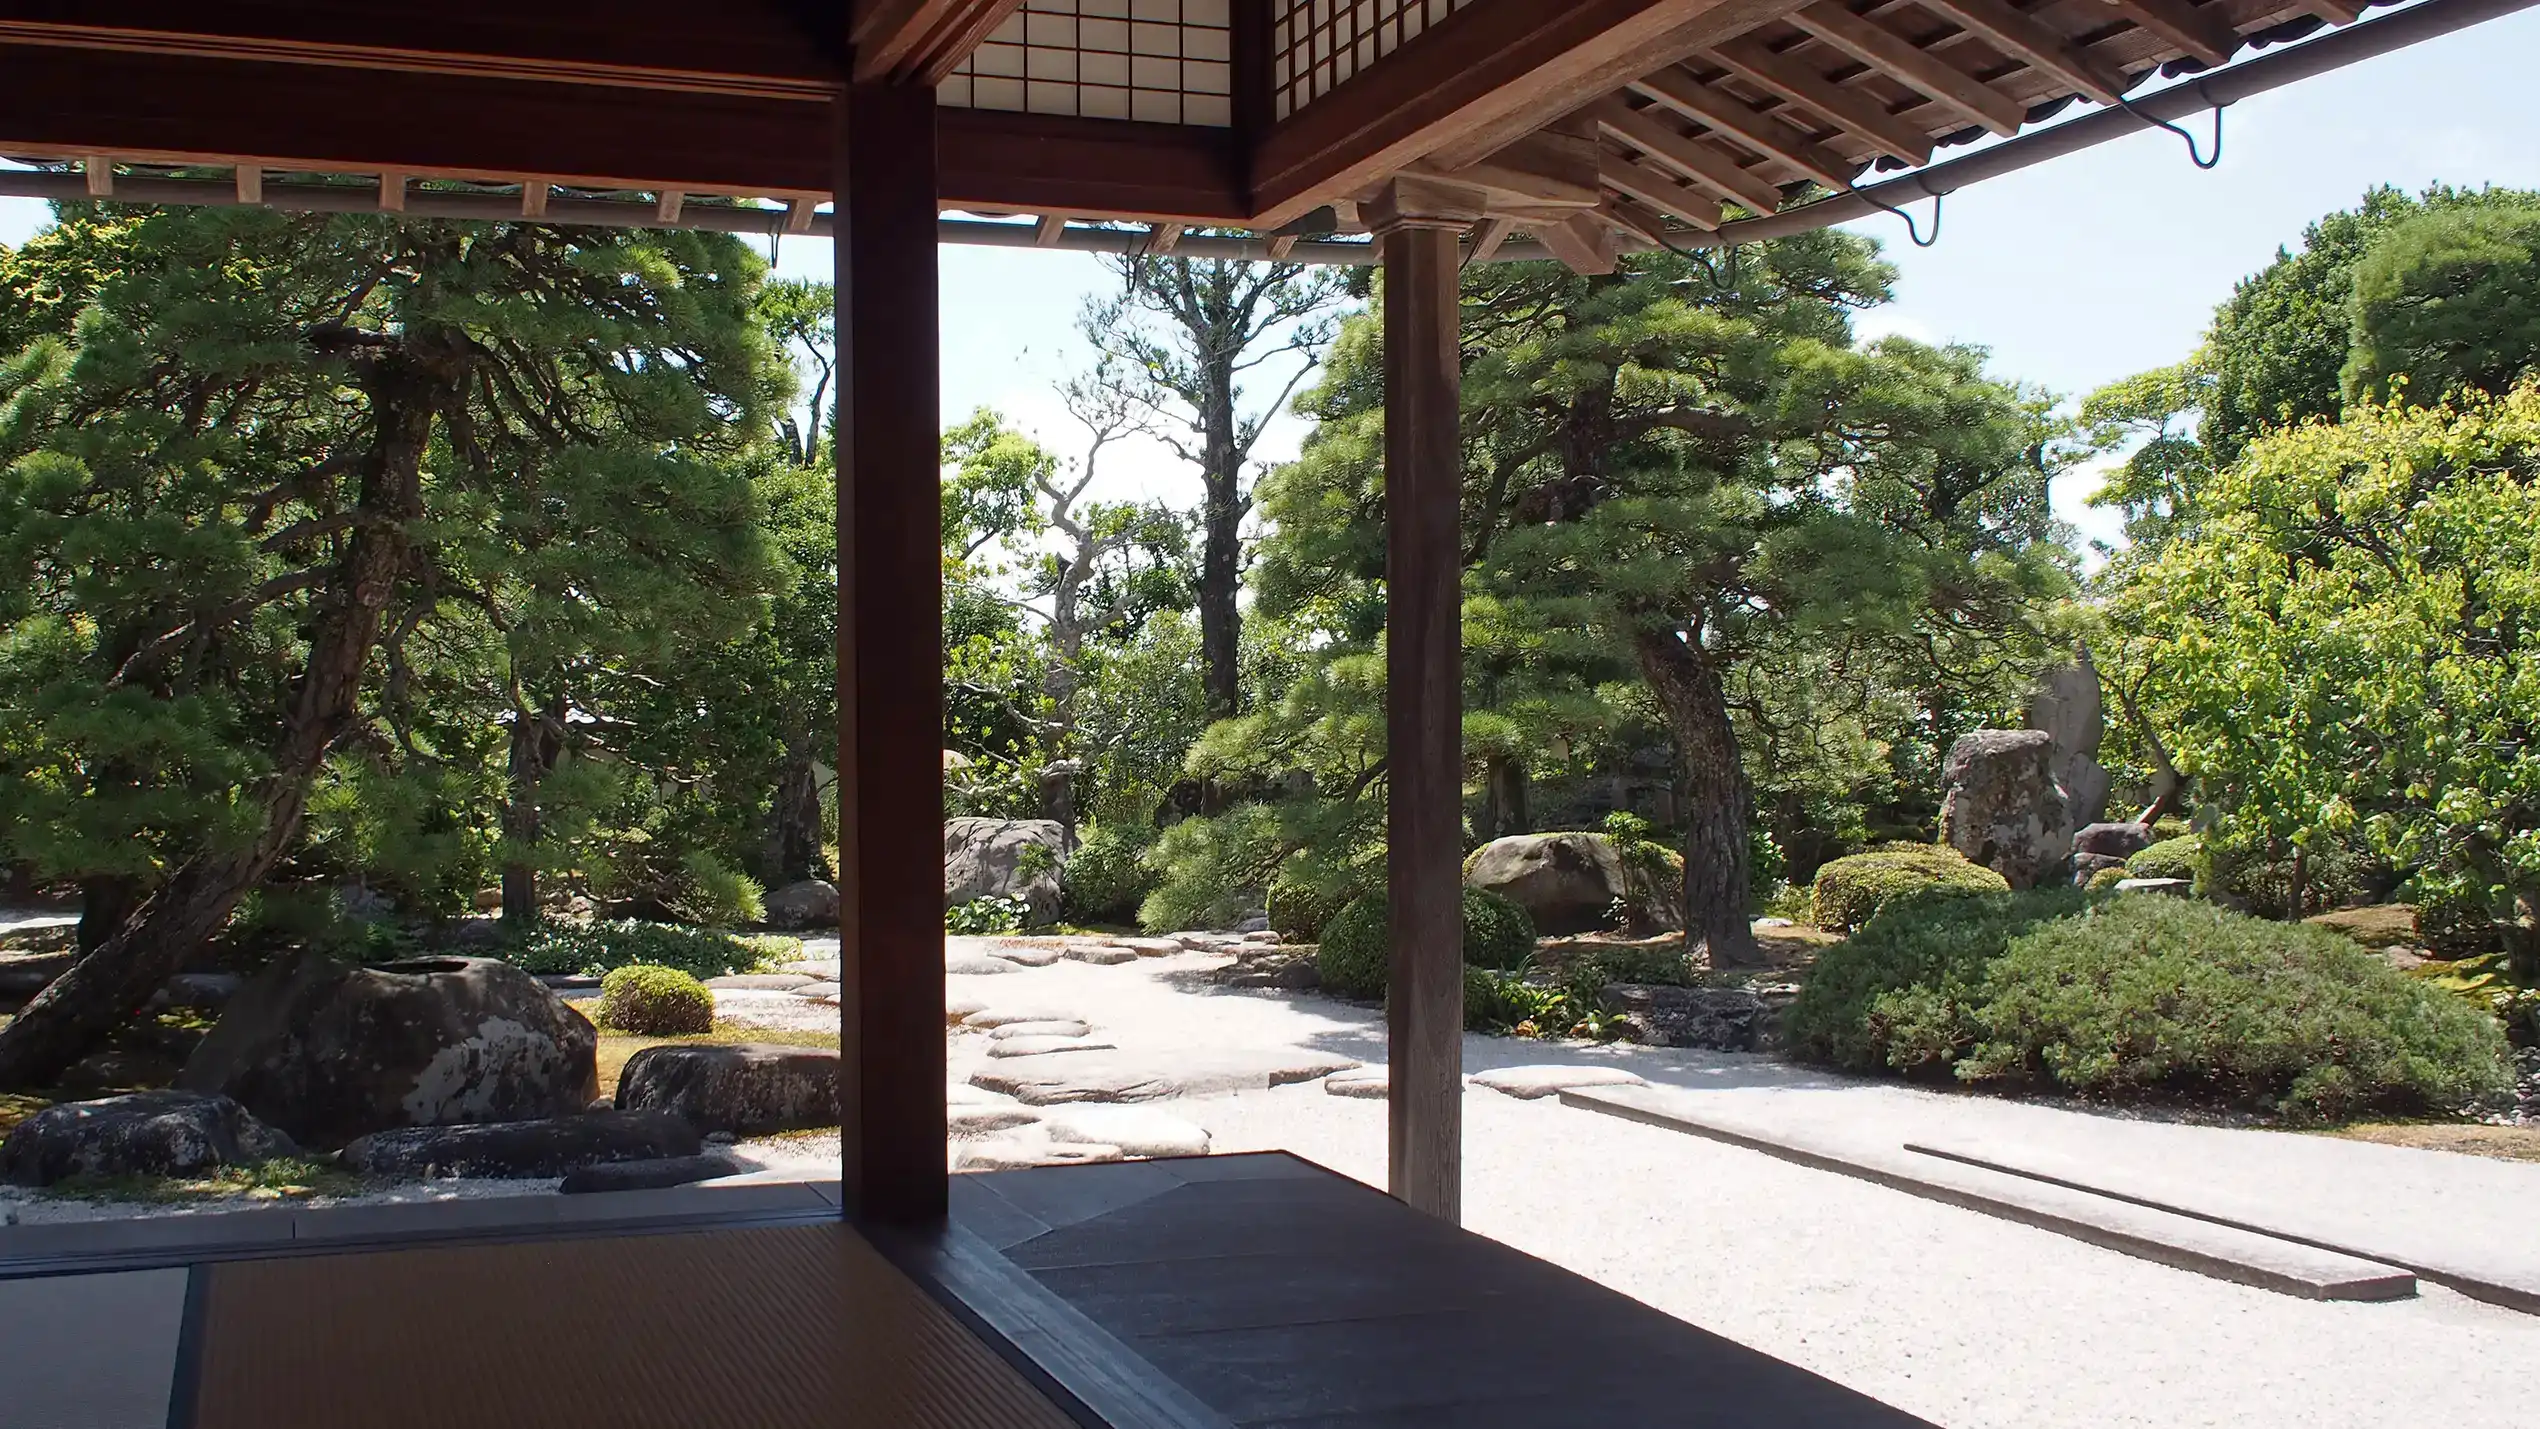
23, 975
645, 1175
2003, 808
523, 1150
989, 858
1568, 883
809, 904
207, 992
329, 1052
160, 1133
1293, 974
2087, 866
119, 1069
747, 1089
2117, 841
1719, 1019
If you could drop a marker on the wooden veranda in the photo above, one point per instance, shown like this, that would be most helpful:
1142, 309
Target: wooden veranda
1422, 134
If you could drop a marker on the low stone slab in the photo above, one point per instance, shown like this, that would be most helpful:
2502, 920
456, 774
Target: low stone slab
975, 965
1003, 1014
158, 1133
523, 1149
1152, 947
958, 1009
1136, 1130
1043, 1046
824, 969
1718, 1019
987, 1118
750, 1089
762, 982
2173, 887
1055, 1027
1106, 954
1028, 955
1530, 1083
1367, 1083
645, 1175
818, 992
1147, 1077
1000, 1154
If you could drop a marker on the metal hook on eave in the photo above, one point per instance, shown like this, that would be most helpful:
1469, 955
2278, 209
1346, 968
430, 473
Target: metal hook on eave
1912, 231
2201, 161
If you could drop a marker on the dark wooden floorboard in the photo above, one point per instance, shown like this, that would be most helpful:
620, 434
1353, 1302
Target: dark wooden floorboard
1283, 1296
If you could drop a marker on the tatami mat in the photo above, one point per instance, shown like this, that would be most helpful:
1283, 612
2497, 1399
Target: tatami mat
90, 1351
769, 1328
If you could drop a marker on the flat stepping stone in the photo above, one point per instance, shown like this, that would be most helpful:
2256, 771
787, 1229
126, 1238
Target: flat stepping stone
1368, 1083
975, 965
957, 1009
645, 1175
1136, 1130
818, 992
761, 982
825, 969
1043, 1046
1530, 1083
998, 1154
1152, 947
1148, 1077
1055, 1027
1030, 953
1105, 954
987, 1118
1000, 1016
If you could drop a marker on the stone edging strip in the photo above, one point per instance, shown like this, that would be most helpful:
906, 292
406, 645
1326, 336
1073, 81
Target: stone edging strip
2183, 1242
2476, 1284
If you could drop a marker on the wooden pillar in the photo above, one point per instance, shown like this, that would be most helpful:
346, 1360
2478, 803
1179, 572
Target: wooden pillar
1424, 707
890, 657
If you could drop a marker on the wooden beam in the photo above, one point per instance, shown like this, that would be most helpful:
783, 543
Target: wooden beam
668, 203
798, 213
1635, 221
1764, 133
1164, 238
1663, 192
890, 658
251, 184
1865, 118
2033, 44
1583, 244
919, 41
2336, 12
392, 192
2204, 35
533, 197
100, 171
158, 108
1932, 73
1424, 718
1461, 76
1651, 133
1488, 238
1051, 228
1281, 245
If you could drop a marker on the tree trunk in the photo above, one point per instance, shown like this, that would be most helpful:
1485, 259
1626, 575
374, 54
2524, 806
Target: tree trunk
108, 984
1504, 797
105, 905
1718, 798
2522, 939
536, 744
794, 854
1221, 549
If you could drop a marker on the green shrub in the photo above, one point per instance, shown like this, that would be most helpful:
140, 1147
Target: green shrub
2180, 857
556, 947
2171, 827
1850, 891
711, 892
2142, 998
1298, 909
2332, 876
2108, 878
986, 917
1500, 1003
1354, 955
655, 1002
1107, 877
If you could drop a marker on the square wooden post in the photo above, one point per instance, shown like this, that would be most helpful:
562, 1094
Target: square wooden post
1424, 708
890, 657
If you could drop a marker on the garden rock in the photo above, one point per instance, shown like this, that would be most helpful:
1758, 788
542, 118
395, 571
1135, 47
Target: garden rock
2087, 866
1568, 883
1532, 1083
1016, 1153
975, 966
748, 1089
2069, 709
809, 904
645, 1175
1718, 1019
823, 969
2119, 841
1044, 1046
1104, 954
987, 858
1122, 1077
205, 992
1366, 1083
1136, 1130
162, 1133
1001, 1016
818, 992
1029, 953
1053, 1027
761, 982
987, 1118
523, 1150
958, 1009
328, 1053
2003, 809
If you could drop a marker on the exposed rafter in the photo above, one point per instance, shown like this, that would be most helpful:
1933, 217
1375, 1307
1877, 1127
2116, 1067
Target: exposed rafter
1663, 191
1766, 134
1653, 133
2203, 34
920, 41
1925, 71
2032, 43
1848, 109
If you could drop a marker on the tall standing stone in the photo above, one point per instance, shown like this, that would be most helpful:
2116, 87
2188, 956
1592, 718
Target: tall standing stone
2069, 709
2003, 808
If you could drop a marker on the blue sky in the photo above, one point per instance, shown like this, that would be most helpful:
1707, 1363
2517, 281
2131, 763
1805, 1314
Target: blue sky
2072, 274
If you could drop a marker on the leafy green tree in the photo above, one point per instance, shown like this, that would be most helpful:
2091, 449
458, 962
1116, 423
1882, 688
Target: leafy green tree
268, 450
2445, 301
2344, 650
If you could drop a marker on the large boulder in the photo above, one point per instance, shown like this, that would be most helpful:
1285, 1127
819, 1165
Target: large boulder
551, 1146
2069, 709
2118, 841
2002, 808
329, 1052
1718, 1019
812, 903
1568, 883
747, 1090
1005, 858
161, 1133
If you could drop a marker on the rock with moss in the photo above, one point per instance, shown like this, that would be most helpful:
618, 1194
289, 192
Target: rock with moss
2003, 808
655, 1002
1354, 960
1006, 858
1850, 891
1566, 882
550, 1146
745, 1089
161, 1133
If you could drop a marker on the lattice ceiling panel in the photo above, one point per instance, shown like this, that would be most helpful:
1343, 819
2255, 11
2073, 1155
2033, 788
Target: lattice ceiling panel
1160, 61
1317, 45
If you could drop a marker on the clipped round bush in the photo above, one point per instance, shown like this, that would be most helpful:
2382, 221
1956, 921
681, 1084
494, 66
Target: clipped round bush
1107, 877
1850, 891
1298, 910
2108, 878
655, 1002
1354, 957
2170, 858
